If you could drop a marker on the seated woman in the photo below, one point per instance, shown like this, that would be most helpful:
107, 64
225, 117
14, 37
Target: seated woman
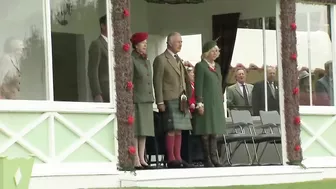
209, 120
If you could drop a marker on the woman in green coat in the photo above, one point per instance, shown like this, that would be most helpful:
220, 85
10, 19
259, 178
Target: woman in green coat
209, 120
142, 97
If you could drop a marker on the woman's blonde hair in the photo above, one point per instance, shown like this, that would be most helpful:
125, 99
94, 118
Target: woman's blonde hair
189, 69
206, 54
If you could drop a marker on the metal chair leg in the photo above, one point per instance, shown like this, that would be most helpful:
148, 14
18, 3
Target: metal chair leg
278, 152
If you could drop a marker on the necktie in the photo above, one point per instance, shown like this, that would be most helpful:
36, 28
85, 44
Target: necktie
245, 96
272, 88
177, 58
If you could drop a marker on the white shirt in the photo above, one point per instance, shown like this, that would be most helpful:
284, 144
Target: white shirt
212, 65
242, 89
104, 37
170, 52
271, 83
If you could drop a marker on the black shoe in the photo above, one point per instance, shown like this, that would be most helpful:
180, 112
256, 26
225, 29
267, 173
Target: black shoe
217, 164
174, 164
208, 164
146, 166
186, 165
138, 168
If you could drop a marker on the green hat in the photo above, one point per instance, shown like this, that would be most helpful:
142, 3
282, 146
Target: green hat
208, 46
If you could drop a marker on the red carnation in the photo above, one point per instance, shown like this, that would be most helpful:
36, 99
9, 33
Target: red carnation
131, 150
293, 26
130, 120
297, 148
126, 47
295, 91
126, 13
293, 56
129, 85
297, 120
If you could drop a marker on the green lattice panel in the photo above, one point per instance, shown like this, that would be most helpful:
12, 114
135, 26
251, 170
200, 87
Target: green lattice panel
38, 137
84, 122
315, 122
15, 122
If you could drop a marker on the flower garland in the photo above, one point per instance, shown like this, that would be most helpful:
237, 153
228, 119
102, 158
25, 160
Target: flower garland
290, 81
124, 86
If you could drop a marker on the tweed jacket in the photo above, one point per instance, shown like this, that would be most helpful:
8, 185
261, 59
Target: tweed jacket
170, 78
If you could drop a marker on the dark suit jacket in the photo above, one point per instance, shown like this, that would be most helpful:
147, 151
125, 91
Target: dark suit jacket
170, 78
142, 79
258, 98
325, 86
98, 69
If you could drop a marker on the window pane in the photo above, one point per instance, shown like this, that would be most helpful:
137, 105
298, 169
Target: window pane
22, 58
80, 50
315, 55
271, 86
249, 53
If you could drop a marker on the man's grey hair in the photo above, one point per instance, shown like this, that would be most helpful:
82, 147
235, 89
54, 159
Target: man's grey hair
170, 37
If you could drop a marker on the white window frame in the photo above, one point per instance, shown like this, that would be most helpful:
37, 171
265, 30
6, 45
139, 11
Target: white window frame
57, 106
324, 110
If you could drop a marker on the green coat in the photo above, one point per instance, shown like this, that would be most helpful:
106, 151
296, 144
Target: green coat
208, 90
142, 79
142, 96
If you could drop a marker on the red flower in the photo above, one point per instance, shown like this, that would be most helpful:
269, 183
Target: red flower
297, 148
297, 120
295, 91
130, 120
293, 56
126, 13
129, 85
212, 69
293, 26
126, 47
131, 150
240, 65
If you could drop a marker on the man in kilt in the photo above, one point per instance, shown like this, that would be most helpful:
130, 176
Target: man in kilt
172, 87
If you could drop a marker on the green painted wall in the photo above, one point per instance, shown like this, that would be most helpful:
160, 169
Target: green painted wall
316, 123
64, 137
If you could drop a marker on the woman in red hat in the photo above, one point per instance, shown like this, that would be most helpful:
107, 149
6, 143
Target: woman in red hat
142, 97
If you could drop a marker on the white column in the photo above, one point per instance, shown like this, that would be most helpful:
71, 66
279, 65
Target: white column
281, 90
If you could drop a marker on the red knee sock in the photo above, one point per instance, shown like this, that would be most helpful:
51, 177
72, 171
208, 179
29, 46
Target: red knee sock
170, 147
177, 147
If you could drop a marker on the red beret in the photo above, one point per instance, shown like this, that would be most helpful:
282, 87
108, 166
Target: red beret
139, 37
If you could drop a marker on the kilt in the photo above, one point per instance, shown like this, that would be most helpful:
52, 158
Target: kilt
173, 119
144, 119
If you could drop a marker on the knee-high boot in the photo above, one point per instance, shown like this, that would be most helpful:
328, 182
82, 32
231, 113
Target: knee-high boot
206, 152
213, 151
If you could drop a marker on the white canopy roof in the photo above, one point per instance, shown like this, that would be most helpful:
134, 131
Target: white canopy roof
249, 45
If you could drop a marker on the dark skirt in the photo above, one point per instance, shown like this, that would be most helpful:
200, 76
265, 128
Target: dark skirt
144, 119
173, 119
